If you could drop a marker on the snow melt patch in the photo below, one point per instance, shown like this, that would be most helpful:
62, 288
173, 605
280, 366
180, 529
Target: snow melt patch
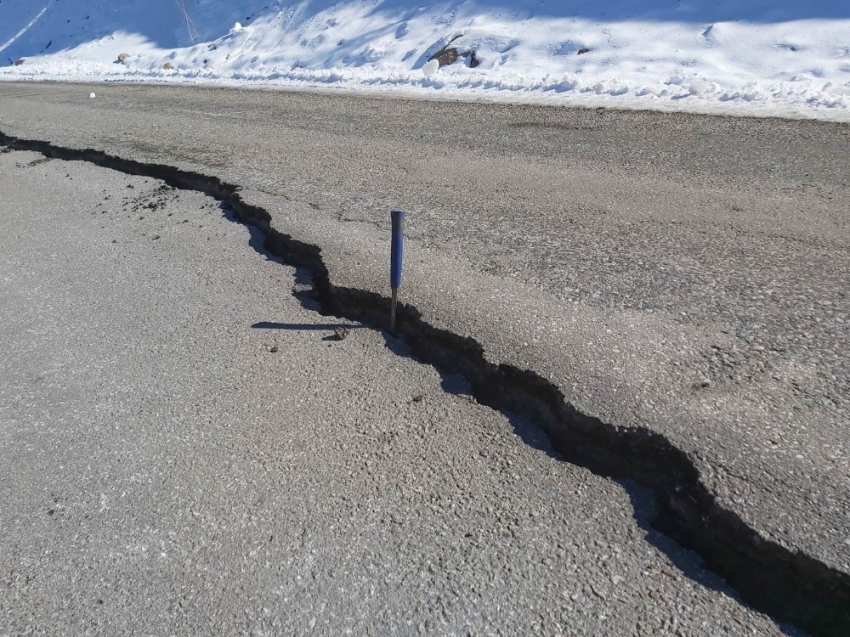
765, 57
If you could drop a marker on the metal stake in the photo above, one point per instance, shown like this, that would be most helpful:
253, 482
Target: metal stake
396, 258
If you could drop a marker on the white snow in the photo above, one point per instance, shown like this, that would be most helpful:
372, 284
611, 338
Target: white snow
758, 57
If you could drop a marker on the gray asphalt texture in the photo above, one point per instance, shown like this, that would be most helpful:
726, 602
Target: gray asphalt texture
683, 273
187, 449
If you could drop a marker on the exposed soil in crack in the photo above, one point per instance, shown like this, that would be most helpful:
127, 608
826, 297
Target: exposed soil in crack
788, 585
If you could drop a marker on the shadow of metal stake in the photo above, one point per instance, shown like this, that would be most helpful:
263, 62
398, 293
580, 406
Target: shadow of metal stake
396, 257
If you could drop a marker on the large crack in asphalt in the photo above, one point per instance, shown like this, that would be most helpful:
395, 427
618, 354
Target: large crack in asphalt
788, 585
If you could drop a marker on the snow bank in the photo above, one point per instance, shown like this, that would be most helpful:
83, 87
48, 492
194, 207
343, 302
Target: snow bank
767, 57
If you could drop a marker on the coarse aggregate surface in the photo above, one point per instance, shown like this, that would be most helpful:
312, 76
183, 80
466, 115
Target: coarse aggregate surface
188, 449
683, 273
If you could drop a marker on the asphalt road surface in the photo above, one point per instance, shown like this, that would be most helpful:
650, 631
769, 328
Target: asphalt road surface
188, 449
680, 273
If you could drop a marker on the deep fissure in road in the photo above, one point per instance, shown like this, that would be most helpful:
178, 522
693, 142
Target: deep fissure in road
788, 585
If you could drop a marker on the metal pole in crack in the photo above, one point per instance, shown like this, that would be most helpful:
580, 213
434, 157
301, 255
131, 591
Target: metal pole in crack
396, 256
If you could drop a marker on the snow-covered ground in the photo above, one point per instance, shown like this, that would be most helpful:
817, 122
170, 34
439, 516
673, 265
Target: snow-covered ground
761, 57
